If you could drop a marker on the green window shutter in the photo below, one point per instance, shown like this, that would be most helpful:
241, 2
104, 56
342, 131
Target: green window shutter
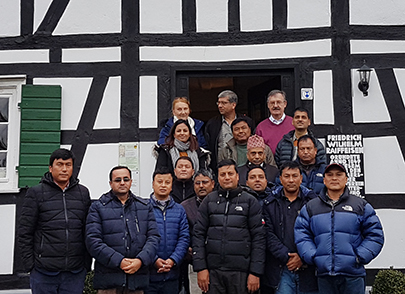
40, 131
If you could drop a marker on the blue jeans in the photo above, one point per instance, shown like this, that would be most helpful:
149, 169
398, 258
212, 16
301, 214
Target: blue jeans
289, 284
341, 284
61, 283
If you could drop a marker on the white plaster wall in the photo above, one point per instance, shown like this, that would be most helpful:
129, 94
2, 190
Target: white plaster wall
100, 159
40, 9
371, 108
393, 252
97, 163
108, 116
323, 98
148, 117
158, 16
7, 228
9, 18
212, 15
24, 56
256, 15
91, 54
400, 77
146, 166
384, 166
308, 13
74, 96
376, 46
90, 17
377, 12
233, 53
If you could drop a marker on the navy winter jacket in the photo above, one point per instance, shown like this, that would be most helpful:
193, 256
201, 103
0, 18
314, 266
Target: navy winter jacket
174, 241
52, 226
285, 148
198, 127
341, 238
229, 234
276, 251
116, 231
314, 181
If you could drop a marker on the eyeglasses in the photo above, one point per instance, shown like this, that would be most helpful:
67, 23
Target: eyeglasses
119, 180
204, 182
223, 102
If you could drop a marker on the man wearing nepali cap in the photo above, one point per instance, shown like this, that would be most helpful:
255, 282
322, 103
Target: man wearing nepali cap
258, 153
339, 233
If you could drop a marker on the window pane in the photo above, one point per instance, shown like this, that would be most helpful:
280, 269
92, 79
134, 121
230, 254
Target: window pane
3, 110
3, 137
3, 164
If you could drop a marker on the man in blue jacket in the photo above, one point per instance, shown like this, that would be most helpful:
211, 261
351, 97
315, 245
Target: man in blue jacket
285, 272
339, 233
122, 236
173, 228
312, 166
287, 147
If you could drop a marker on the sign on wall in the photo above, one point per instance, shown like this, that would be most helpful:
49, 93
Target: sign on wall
348, 151
129, 156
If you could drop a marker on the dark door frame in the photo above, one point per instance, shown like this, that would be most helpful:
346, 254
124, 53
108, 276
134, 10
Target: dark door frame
240, 69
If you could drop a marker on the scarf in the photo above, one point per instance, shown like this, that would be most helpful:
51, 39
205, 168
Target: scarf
162, 204
183, 147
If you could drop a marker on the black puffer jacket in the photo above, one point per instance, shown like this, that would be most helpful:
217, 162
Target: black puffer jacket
229, 233
52, 225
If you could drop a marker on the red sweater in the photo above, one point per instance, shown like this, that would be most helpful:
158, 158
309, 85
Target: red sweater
272, 133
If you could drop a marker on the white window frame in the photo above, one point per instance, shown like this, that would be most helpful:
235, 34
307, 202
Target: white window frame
12, 86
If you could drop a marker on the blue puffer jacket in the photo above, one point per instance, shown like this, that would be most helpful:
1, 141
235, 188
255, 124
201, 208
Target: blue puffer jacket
198, 127
115, 231
173, 228
339, 239
314, 181
276, 251
285, 148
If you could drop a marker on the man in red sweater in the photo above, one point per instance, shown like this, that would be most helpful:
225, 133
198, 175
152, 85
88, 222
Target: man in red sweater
272, 129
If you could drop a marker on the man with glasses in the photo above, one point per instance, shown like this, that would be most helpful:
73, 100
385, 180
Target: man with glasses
218, 129
272, 129
122, 236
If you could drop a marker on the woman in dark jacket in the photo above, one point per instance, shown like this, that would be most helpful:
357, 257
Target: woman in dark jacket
181, 142
181, 110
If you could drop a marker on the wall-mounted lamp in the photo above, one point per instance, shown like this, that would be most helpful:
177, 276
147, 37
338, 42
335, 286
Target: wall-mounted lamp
364, 73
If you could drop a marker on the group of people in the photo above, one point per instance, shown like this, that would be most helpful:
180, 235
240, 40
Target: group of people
252, 213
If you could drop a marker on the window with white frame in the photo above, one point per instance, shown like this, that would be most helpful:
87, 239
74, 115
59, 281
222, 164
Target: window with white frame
10, 96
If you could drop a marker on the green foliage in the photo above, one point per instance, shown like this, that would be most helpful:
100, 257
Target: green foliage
389, 281
88, 284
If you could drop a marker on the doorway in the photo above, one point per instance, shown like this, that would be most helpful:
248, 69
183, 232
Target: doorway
251, 86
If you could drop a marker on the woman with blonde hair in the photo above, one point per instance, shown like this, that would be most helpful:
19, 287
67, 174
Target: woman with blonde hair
181, 110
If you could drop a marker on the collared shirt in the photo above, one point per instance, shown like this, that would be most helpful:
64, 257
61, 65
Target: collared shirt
64, 189
225, 134
277, 121
290, 211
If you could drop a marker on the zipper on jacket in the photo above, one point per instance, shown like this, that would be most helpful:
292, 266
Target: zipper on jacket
225, 226
66, 229
137, 223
